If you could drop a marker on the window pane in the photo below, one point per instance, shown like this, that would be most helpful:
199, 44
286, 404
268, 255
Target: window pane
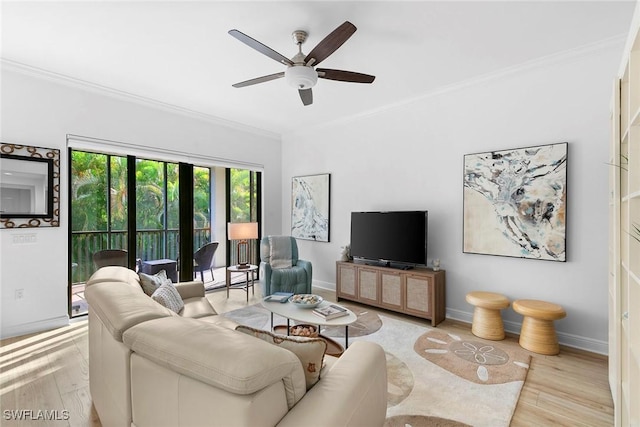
98, 209
118, 192
173, 197
149, 195
201, 206
88, 191
240, 195
243, 207
201, 197
150, 209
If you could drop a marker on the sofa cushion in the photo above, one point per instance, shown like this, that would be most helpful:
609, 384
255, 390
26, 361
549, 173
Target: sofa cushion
197, 308
151, 282
167, 295
218, 356
190, 289
310, 351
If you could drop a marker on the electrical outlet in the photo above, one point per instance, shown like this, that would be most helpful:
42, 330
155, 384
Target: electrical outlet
19, 293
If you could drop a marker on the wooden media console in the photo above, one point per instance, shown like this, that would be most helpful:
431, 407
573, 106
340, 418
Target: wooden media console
418, 292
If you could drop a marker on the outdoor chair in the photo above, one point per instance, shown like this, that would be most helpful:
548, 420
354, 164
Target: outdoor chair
107, 257
203, 259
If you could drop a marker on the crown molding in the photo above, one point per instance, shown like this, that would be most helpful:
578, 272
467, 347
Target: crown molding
545, 61
18, 67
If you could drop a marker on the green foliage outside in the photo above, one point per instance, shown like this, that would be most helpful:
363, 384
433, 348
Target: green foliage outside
243, 196
89, 194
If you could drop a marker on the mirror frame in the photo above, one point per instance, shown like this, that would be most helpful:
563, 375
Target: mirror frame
51, 156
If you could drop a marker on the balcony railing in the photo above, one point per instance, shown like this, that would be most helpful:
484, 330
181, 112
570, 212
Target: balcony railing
151, 244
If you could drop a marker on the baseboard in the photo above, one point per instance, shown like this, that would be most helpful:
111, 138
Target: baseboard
327, 286
569, 340
583, 343
33, 327
460, 315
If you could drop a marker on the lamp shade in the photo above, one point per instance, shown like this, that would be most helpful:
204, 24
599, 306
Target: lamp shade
242, 230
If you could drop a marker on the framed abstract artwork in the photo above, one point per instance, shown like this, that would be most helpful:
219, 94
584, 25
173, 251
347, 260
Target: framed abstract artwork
515, 202
310, 200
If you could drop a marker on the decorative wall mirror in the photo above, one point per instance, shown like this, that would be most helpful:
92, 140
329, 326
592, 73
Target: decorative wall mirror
29, 186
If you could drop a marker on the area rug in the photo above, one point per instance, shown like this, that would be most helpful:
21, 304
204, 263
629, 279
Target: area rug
435, 378
219, 282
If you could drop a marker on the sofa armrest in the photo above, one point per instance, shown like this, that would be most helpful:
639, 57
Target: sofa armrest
265, 274
120, 306
190, 289
309, 269
355, 389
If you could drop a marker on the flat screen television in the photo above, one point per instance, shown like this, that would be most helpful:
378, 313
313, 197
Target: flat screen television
389, 238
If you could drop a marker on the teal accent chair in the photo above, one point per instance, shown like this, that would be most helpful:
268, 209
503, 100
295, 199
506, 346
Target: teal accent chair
296, 279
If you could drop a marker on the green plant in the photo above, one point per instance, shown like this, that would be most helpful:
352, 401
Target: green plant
635, 231
624, 162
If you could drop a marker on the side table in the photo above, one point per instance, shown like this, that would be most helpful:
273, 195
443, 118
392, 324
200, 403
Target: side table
249, 269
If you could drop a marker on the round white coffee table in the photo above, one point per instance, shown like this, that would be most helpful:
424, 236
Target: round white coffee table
304, 315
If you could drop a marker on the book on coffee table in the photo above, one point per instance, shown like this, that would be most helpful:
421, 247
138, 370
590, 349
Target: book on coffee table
279, 296
330, 311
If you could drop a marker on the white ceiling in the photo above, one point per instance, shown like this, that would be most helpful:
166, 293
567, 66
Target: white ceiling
179, 53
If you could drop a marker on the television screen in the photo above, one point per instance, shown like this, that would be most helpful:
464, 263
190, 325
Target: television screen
390, 237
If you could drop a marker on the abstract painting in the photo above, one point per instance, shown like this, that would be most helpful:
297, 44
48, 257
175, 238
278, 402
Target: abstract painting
310, 207
515, 202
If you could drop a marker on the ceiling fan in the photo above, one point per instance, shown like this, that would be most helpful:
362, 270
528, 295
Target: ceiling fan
300, 72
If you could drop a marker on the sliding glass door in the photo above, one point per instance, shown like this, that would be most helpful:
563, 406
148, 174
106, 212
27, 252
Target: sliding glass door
159, 212
243, 205
99, 211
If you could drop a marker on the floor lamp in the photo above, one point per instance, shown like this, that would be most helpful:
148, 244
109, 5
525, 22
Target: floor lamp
242, 231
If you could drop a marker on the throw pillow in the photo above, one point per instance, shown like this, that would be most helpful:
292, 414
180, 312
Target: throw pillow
168, 296
150, 282
310, 351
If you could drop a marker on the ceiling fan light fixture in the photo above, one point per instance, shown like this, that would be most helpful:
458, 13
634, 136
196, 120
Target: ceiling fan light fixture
301, 76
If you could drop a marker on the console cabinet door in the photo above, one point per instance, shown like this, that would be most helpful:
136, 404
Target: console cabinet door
418, 295
419, 292
391, 291
346, 282
368, 285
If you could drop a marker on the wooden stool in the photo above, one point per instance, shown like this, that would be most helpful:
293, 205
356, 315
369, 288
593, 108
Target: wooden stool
538, 333
487, 321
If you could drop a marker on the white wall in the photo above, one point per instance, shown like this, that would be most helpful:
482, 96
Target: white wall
42, 111
410, 157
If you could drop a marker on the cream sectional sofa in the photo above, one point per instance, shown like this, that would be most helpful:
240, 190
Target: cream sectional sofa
149, 366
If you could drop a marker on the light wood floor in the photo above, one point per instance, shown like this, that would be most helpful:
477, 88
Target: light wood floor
50, 370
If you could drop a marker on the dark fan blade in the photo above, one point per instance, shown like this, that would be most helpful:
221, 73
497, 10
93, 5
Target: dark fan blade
306, 95
331, 43
259, 80
265, 50
344, 76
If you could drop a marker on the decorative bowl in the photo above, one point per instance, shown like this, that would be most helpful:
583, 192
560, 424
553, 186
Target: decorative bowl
302, 330
306, 300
